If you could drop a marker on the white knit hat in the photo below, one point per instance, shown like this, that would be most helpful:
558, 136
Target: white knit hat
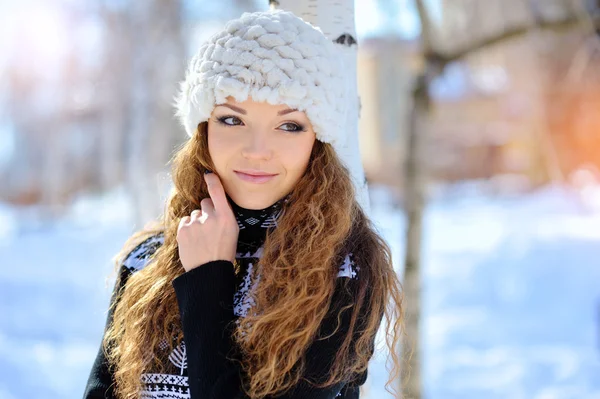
272, 56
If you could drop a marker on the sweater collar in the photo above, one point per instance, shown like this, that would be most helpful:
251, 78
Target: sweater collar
254, 223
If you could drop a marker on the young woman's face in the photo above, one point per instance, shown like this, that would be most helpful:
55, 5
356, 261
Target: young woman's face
249, 139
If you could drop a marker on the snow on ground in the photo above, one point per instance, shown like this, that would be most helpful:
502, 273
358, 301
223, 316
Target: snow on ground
511, 298
53, 297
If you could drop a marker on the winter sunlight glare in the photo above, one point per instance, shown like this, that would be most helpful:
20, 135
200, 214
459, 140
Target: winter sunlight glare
42, 29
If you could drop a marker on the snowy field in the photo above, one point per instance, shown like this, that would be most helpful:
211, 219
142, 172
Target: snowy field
511, 296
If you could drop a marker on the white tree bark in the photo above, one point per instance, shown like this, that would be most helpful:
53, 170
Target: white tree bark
138, 175
158, 52
336, 20
114, 99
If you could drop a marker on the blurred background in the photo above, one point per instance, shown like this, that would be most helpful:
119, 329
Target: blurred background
480, 138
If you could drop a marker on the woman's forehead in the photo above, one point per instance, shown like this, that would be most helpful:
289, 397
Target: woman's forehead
249, 105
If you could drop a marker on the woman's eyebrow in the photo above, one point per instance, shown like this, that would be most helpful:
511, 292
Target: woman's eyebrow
243, 111
286, 111
233, 107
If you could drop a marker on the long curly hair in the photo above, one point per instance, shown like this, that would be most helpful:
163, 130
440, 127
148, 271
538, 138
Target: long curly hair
319, 224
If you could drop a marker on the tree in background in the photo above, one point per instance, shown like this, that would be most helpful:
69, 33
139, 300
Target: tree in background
474, 28
157, 66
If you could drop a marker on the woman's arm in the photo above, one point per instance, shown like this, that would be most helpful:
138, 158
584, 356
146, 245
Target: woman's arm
205, 298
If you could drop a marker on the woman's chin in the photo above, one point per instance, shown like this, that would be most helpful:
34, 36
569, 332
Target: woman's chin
251, 201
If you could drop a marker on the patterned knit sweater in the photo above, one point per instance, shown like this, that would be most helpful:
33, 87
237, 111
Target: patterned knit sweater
211, 298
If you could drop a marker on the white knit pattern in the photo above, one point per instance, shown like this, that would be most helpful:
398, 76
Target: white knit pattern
272, 56
348, 268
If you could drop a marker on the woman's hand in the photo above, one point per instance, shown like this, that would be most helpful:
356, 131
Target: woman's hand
210, 233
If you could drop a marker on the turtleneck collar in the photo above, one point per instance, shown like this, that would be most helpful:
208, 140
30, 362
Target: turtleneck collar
254, 223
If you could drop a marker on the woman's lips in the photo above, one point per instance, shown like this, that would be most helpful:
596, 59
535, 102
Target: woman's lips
254, 179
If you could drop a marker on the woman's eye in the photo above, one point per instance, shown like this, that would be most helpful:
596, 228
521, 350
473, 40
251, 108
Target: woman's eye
230, 120
292, 127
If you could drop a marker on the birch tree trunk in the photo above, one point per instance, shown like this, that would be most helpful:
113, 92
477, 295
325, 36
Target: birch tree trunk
414, 192
138, 175
336, 20
157, 65
114, 98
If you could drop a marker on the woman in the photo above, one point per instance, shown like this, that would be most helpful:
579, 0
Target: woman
264, 278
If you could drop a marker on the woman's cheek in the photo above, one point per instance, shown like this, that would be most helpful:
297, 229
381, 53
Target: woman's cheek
220, 144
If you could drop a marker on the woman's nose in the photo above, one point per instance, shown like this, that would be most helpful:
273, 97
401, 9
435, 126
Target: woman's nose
257, 147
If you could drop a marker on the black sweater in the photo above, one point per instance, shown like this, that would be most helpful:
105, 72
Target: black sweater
211, 298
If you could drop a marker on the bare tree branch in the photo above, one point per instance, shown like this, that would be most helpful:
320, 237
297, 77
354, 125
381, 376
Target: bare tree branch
426, 27
444, 59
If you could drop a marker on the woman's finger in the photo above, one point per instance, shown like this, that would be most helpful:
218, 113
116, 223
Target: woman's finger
207, 206
195, 214
184, 220
216, 192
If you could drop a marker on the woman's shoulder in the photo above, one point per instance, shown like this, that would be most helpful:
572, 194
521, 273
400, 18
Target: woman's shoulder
142, 253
